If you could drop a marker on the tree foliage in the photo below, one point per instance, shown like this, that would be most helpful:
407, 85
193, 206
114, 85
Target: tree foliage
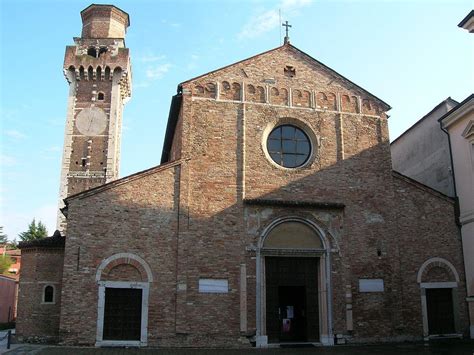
5, 262
12, 244
35, 231
3, 236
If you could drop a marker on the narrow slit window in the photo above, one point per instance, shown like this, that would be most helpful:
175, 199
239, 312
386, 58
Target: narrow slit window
48, 296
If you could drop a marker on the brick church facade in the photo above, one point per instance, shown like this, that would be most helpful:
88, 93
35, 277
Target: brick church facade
274, 216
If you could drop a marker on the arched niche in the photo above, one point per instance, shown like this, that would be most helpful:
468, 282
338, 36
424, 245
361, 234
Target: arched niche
293, 235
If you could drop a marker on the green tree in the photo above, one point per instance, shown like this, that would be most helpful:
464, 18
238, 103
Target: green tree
12, 244
3, 237
35, 231
5, 262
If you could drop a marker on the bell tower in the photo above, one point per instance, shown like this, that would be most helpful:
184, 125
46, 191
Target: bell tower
97, 68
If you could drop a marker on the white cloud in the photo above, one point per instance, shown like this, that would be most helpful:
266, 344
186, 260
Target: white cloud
154, 69
191, 66
171, 24
56, 121
142, 84
50, 152
156, 72
192, 63
54, 148
150, 58
8, 114
259, 24
287, 5
267, 20
13, 133
6, 160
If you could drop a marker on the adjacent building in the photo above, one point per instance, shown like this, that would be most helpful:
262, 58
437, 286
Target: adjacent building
459, 125
9, 285
422, 151
438, 152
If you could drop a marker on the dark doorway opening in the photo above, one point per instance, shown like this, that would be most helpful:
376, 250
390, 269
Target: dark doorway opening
439, 303
292, 313
122, 314
292, 309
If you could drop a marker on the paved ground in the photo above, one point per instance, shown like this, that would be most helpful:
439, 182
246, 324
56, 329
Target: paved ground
442, 348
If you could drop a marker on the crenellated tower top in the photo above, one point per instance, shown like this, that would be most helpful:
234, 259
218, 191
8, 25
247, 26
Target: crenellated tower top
100, 53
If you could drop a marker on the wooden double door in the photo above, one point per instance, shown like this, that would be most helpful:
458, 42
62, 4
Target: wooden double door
122, 314
292, 310
439, 303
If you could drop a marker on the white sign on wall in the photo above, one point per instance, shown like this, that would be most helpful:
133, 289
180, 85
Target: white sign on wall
371, 285
213, 286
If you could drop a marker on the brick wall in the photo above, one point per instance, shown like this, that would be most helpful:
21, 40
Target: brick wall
137, 217
8, 289
426, 229
226, 143
189, 220
37, 320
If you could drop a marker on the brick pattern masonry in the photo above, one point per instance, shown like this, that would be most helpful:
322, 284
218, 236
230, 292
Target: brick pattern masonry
187, 218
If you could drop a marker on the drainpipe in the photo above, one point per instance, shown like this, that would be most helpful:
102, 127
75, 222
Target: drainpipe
457, 211
329, 297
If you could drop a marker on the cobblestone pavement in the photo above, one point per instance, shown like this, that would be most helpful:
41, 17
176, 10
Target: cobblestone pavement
443, 348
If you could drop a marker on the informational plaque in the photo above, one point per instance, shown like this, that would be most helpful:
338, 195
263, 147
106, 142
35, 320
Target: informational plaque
213, 286
371, 285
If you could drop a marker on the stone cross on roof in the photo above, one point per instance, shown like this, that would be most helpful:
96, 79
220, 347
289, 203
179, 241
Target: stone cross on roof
287, 38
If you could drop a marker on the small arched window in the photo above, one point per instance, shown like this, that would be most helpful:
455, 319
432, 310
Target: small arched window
48, 294
100, 96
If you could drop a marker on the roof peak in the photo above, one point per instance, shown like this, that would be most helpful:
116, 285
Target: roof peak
307, 57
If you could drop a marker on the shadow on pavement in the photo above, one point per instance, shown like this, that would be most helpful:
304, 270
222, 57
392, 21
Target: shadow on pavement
437, 348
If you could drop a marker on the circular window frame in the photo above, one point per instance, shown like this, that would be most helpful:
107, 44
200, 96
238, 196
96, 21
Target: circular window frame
313, 141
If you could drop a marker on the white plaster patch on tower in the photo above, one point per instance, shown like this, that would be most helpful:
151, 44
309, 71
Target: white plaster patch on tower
373, 217
114, 131
67, 149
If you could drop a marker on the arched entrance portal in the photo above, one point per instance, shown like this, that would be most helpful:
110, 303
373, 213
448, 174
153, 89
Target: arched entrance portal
293, 271
122, 311
439, 280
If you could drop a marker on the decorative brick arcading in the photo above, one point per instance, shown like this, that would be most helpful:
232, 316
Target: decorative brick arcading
279, 96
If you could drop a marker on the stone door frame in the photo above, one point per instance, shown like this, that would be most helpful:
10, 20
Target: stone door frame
108, 263
326, 336
144, 286
453, 285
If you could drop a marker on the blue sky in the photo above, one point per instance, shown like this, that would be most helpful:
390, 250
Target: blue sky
411, 54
